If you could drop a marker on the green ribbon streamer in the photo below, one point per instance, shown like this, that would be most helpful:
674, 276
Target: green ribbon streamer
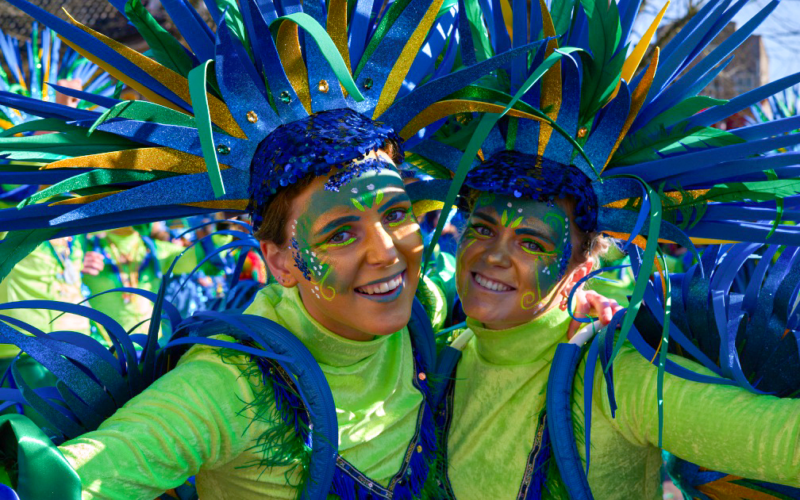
47, 124
198, 78
42, 471
146, 112
647, 265
326, 45
488, 121
166, 49
388, 20
93, 179
18, 244
662, 355
67, 143
474, 92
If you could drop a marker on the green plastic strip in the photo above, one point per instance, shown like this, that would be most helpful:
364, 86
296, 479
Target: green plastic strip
488, 121
66, 143
94, 179
165, 48
647, 265
146, 112
45, 124
662, 355
474, 92
326, 45
198, 77
42, 471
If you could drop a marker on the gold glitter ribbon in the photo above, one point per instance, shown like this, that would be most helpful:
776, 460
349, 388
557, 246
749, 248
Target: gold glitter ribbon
637, 100
422, 207
640, 241
215, 205
288, 43
142, 159
443, 109
176, 83
676, 196
337, 29
400, 69
632, 62
85, 199
221, 204
551, 81
726, 488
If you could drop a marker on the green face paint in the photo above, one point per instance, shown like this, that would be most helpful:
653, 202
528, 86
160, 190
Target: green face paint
511, 256
312, 243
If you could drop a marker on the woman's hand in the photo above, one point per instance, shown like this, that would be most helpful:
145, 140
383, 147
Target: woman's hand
93, 263
591, 303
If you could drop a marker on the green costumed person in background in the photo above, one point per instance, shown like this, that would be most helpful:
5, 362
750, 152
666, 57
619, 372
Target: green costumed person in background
128, 259
37, 69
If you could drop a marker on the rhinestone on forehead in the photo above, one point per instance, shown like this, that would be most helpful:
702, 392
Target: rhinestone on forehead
313, 145
520, 175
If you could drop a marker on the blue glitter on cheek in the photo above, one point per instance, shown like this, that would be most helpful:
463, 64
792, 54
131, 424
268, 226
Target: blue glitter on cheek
565, 257
298, 260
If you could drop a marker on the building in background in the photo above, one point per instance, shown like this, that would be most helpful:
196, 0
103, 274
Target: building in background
748, 70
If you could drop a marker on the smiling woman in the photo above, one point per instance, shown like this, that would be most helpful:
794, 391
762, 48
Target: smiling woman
351, 243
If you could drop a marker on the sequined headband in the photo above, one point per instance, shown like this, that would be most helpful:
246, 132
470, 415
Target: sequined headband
312, 145
521, 175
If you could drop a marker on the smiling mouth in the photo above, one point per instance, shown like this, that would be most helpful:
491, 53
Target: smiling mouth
383, 291
490, 285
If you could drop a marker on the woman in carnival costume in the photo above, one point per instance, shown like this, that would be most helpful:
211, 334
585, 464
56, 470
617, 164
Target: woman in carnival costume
550, 186
339, 405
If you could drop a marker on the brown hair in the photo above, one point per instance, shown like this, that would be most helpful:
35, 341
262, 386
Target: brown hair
276, 211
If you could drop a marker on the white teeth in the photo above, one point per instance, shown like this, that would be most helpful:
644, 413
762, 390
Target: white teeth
385, 287
491, 285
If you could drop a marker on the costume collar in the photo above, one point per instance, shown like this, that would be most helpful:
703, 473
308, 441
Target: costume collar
522, 344
285, 306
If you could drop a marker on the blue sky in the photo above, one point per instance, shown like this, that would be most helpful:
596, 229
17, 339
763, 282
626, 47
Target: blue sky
783, 49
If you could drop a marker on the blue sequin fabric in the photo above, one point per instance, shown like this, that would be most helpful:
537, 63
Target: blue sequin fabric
312, 145
354, 171
517, 174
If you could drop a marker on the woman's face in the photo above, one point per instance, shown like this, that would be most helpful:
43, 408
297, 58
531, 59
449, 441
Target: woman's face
355, 253
512, 257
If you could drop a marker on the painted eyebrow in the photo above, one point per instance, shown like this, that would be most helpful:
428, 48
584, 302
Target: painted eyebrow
338, 222
487, 218
394, 199
534, 233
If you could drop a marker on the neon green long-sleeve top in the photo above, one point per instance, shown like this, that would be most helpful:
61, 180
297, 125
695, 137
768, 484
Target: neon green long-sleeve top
198, 419
500, 392
50, 272
134, 310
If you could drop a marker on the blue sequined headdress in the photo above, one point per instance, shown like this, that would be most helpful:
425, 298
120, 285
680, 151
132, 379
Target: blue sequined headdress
210, 110
641, 137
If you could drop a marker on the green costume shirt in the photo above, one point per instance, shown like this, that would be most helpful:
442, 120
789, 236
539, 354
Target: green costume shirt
198, 420
134, 310
500, 393
42, 275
